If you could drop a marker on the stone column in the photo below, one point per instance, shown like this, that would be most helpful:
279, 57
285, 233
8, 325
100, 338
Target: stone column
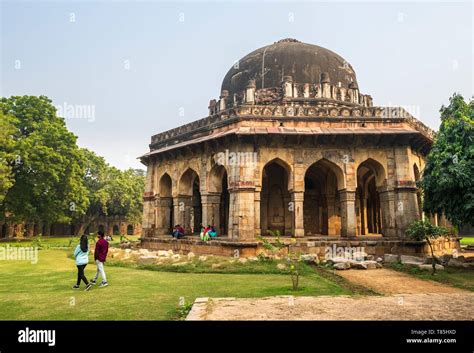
211, 209
163, 205
331, 214
348, 224
256, 206
406, 208
242, 214
387, 208
297, 197
182, 213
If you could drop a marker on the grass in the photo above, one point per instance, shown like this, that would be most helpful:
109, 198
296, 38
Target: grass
467, 241
59, 242
455, 277
43, 291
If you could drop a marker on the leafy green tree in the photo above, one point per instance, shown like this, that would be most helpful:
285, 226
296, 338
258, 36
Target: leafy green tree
126, 192
424, 230
111, 192
7, 153
47, 173
95, 179
448, 182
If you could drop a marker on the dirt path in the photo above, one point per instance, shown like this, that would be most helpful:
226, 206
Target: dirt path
447, 306
387, 281
406, 298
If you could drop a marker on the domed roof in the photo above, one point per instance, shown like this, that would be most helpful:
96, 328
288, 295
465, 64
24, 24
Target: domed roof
288, 57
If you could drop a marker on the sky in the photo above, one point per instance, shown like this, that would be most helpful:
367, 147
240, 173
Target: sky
121, 71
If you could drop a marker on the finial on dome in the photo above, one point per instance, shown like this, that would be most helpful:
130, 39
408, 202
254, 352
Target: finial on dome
288, 40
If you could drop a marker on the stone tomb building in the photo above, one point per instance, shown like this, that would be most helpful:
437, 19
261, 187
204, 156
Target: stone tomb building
291, 145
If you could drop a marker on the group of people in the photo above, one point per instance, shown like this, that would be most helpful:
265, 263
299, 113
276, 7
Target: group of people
81, 254
206, 233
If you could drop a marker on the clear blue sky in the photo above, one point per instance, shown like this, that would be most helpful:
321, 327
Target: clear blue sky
413, 54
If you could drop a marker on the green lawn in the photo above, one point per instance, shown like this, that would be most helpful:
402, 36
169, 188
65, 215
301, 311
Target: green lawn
43, 291
467, 241
61, 242
456, 277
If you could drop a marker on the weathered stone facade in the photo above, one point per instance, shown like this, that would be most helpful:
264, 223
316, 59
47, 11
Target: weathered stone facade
307, 159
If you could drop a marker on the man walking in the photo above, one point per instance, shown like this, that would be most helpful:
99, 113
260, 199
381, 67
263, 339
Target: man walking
100, 254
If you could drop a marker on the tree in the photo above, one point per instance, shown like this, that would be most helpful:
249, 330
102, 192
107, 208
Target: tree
7, 154
447, 182
424, 230
126, 192
47, 173
111, 192
95, 178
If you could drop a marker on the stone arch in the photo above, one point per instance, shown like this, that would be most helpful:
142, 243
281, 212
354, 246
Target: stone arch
332, 166
371, 177
218, 199
165, 186
115, 230
186, 181
189, 208
164, 205
275, 198
321, 206
130, 229
377, 169
285, 165
215, 177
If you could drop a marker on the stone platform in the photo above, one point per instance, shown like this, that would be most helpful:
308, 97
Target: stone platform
372, 245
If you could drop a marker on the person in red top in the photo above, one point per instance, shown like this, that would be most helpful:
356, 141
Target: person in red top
100, 254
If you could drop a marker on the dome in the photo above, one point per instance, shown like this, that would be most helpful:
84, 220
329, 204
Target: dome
288, 57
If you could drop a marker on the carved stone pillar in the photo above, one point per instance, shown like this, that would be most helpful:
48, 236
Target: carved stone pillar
163, 217
331, 214
242, 214
387, 208
258, 229
406, 208
298, 214
183, 213
210, 209
348, 224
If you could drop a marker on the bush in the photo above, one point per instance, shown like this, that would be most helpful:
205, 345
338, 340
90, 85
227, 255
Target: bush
422, 229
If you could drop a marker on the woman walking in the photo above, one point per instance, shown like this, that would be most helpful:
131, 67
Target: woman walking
81, 253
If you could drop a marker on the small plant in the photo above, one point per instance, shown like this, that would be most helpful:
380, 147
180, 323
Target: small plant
183, 310
38, 242
424, 230
275, 246
294, 262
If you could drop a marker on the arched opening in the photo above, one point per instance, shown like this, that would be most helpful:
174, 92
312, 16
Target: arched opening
419, 201
370, 177
116, 230
101, 228
218, 208
4, 230
130, 229
322, 209
275, 199
190, 207
165, 211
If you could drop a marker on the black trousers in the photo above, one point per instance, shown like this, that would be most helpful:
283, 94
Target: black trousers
80, 274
